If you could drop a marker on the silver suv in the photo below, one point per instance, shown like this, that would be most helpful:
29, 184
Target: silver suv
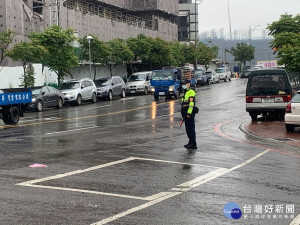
139, 83
76, 91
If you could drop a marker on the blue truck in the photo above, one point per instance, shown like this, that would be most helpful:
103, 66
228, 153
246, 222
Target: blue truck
13, 103
166, 82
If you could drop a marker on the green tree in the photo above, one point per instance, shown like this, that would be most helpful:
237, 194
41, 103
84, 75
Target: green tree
205, 54
120, 53
27, 52
140, 46
100, 51
243, 53
61, 56
177, 56
160, 54
286, 43
6, 38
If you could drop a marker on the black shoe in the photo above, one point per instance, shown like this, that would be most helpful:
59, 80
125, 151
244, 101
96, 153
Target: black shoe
187, 145
192, 147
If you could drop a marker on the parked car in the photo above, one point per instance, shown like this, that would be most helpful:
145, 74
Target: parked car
214, 77
224, 73
201, 77
268, 92
76, 91
139, 83
110, 86
46, 97
292, 113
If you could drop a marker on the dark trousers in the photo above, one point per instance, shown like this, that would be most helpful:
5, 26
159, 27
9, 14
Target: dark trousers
190, 129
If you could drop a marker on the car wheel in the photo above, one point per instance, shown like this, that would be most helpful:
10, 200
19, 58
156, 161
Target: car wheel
14, 115
59, 103
94, 98
218, 81
177, 94
146, 91
39, 106
110, 95
156, 97
123, 94
79, 100
229, 78
253, 116
289, 128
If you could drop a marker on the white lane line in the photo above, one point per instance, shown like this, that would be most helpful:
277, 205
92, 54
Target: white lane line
135, 209
202, 178
165, 161
103, 106
64, 131
218, 103
156, 196
86, 191
28, 183
296, 221
41, 119
213, 175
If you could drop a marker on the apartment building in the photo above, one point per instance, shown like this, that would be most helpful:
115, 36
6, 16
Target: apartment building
107, 19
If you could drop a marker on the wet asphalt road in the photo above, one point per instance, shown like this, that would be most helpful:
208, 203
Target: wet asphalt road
123, 162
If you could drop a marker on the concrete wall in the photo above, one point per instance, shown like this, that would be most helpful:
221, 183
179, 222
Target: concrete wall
10, 76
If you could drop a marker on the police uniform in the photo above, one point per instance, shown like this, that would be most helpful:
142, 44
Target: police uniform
187, 112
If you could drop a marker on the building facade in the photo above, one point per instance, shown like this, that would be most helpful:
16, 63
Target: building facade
107, 19
188, 21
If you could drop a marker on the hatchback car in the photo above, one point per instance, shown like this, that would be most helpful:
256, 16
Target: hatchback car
224, 73
292, 113
201, 77
45, 97
76, 91
110, 86
268, 92
214, 77
139, 83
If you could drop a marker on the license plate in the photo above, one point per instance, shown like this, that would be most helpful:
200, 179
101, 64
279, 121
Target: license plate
268, 100
161, 93
132, 92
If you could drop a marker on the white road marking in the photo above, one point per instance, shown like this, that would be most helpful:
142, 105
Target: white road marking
28, 183
296, 221
64, 131
165, 161
218, 103
41, 119
86, 191
135, 209
194, 183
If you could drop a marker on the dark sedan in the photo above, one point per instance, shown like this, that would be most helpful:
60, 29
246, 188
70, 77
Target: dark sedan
45, 97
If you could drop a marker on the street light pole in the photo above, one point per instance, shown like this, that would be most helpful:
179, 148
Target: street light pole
250, 34
89, 38
197, 3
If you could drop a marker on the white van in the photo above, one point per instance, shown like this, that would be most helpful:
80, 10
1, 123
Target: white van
139, 83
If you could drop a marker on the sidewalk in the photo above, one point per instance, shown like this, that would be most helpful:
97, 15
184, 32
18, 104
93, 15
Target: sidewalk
274, 130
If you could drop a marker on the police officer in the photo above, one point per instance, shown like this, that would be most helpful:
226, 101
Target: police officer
187, 108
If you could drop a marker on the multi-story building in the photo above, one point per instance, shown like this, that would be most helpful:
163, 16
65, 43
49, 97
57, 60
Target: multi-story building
107, 19
188, 21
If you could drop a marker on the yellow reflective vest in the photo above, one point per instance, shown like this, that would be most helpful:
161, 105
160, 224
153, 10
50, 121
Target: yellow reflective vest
188, 101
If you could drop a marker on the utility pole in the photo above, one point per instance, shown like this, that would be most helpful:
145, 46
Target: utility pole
197, 3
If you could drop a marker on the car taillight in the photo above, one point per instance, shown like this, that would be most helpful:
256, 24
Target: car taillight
287, 98
288, 108
249, 99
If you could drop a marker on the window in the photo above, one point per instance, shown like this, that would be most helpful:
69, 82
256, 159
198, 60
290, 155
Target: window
38, 6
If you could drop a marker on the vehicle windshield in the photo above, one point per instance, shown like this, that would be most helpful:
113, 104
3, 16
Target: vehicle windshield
220, 70
103, 82
198, 72
162, 75
70, 85
36, 91
137, 77
268, 85
296, 98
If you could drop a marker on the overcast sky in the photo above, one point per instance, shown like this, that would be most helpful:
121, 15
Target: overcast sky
213, 14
